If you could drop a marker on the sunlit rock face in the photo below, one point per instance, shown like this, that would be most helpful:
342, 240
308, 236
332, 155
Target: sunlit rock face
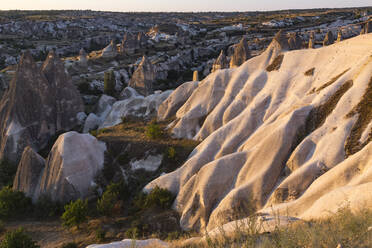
144, 77
241, 54
221, 62
275, 137
38, 104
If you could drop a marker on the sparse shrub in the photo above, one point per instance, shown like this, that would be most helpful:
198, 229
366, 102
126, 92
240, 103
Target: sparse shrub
132, 233
75, 213
100, 235
109, 83
45, 207
13, 203
7, 173
107, 202
18, 239
93, 133
153, 131
120, 188
70, 245
171, 153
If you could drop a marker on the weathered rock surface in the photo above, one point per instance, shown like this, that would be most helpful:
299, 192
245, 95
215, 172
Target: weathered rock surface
128, 243
71, 166
136, 106
29, 171
38, 104
278, 138
129, 44
143, 78
241, 54
220, 63
83, 57
179, 96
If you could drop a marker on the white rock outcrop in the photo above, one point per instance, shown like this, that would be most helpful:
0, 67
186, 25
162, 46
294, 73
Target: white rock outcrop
135, 105
129, 243
273, 136
71, 167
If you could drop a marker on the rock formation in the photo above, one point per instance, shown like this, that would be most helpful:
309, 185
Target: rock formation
130, 43
221, 62
311, 41
328, 39
144, 77
110, 51
195, 76
142, 40
71, 167
169, 107
272, 144
339, 36
295, 42
83, 57
280, 41
241, 54
29, 171
38, 104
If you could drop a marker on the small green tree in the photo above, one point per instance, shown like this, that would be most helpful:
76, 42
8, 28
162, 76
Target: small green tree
107, 203
153, 131
75, 213
13, 203
18, 239
109, 83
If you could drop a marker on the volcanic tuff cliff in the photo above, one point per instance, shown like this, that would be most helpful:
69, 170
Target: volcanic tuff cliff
38, 104
287, 129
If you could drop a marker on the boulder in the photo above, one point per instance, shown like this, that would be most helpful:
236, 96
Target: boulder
71, 167
92, 122
38, 104
328, 39
28, 172
110, 51
144, 77
220, 63
241, 54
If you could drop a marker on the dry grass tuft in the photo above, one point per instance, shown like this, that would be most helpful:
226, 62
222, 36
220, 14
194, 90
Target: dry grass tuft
275, 65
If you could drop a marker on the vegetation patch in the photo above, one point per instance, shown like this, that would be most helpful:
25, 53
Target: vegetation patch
18, 239
330, 82
364, 111
13, 203
75, 213
7, 173
310, 72
276, 64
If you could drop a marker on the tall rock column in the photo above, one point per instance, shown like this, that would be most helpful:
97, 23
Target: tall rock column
241, 54
144, 77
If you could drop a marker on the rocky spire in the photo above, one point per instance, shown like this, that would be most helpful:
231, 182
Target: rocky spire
144, 77
83, 57
329, 39
195, 76
38, 104
339, 36
312, 40
110, 51
221, 62
295, 42
241, 54
141, 40
129, 44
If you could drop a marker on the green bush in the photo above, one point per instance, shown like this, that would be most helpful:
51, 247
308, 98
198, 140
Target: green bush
45, 207
100, 235
120, 188
157, 197
153, 131
107, 202
18, 239
13, 203
109, 83
171, 153
75, 213
7, 173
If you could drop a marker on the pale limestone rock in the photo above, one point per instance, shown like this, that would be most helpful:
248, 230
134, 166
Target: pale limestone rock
71, 167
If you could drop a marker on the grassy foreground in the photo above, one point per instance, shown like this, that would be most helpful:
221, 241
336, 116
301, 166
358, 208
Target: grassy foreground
344, 229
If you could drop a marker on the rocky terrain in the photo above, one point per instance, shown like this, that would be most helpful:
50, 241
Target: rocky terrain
223, 115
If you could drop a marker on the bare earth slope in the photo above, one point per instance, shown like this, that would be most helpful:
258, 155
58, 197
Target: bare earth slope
288, 131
